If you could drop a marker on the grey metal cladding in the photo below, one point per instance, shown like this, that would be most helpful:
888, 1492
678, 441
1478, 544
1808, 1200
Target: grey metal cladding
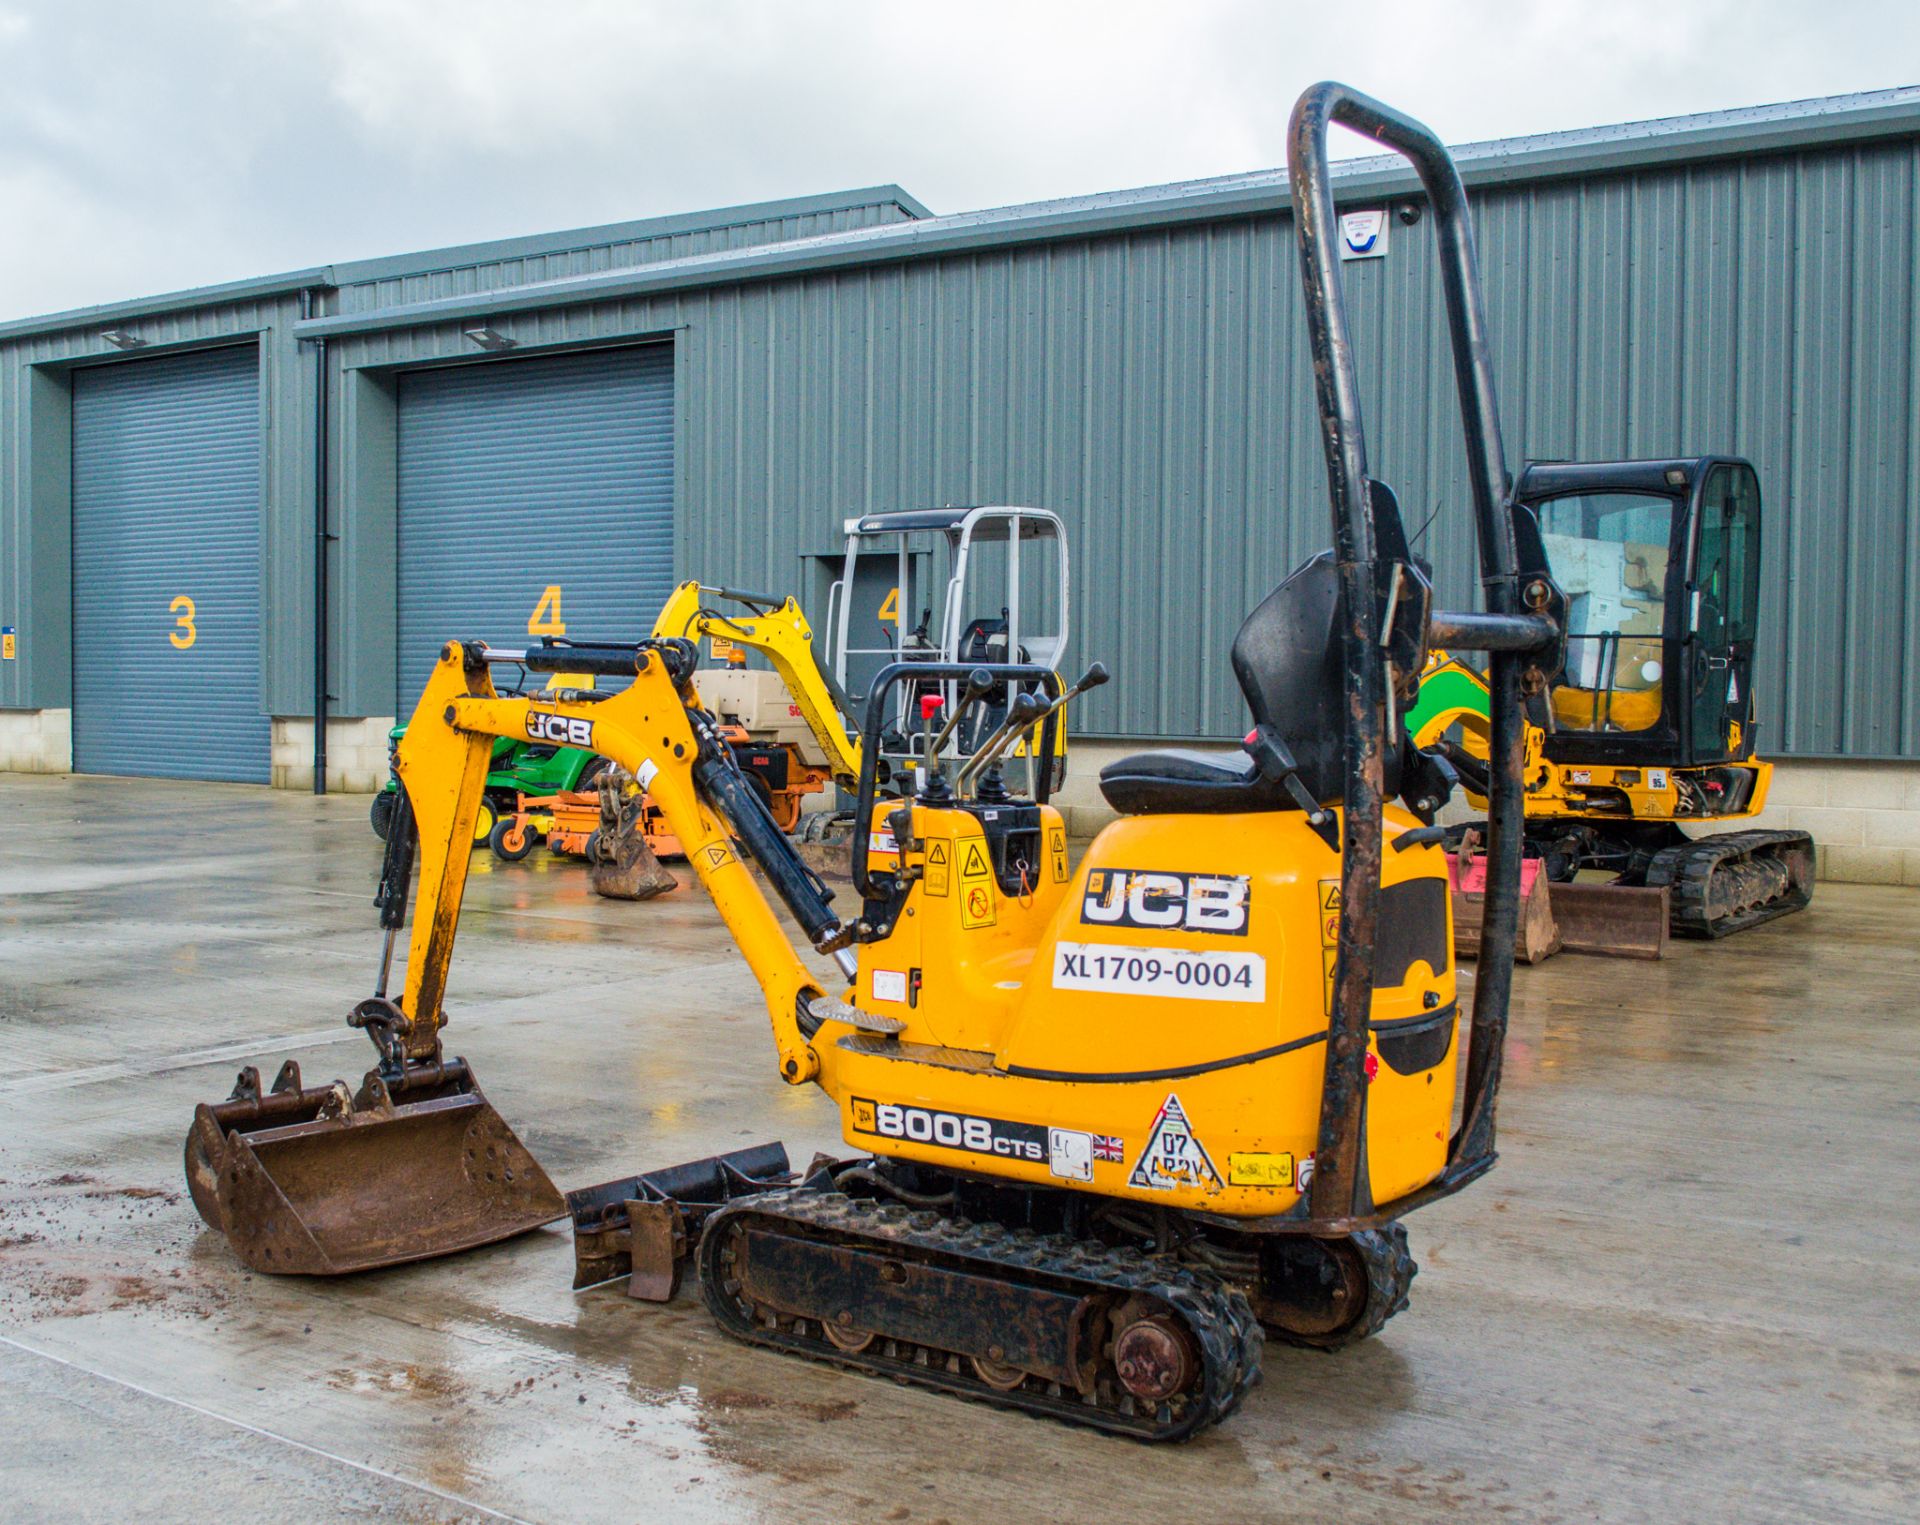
166, 568
516, 476
476, 268
1741, 281
1154, 389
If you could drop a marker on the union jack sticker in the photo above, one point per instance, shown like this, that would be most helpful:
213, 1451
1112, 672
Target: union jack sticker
1110, 1148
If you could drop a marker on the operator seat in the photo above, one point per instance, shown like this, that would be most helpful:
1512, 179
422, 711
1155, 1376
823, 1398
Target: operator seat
1287, 660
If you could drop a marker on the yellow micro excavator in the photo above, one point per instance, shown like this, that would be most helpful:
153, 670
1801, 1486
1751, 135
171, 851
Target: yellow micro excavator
1118, 1123
1650, 727
1001, 587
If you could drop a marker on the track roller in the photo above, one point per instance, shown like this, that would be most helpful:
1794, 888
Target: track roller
1332, 1293
1071, 1328
1735, 880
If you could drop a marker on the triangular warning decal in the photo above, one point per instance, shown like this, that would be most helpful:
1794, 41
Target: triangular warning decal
975, 866
1173, 1156
936, 853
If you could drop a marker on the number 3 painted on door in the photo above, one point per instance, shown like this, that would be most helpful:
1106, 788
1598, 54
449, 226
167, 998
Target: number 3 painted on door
185, 622
545, 619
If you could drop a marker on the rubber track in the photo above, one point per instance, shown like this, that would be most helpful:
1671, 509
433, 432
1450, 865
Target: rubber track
1218, 1315
1390, 1269
1688, 871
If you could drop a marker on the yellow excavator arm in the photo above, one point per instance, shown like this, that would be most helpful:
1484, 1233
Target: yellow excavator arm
782, 635
648, 729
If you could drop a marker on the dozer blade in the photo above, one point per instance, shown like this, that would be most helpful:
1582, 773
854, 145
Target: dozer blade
1615, 920
323, 1182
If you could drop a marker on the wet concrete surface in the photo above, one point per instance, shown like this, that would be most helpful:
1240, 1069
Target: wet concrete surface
1687, 1291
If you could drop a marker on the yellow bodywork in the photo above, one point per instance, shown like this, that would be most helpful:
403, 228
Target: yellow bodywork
785, 639
1162, 1052
1593, 791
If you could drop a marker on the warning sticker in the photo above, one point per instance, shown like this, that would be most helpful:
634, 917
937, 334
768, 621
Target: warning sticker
724, 650
1260, 1169
1329, 936
1057, 852
973, 862
715, 856
934, 881
1173, 1156
976, 906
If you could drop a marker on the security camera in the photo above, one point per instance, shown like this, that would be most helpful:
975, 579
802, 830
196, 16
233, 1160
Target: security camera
1409, 212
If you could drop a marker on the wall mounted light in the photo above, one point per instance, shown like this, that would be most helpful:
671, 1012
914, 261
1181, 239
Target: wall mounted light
119, 338
489, 338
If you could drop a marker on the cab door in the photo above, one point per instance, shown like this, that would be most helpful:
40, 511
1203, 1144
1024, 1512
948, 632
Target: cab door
1723, 599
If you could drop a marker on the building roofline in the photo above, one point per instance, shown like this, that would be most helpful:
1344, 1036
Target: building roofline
425, 262
257, 288
531, 246
1539, 157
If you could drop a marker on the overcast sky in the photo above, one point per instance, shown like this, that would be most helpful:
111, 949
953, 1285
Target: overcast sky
147, 146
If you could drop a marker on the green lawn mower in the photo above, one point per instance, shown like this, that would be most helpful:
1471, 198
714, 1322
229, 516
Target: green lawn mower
517, 768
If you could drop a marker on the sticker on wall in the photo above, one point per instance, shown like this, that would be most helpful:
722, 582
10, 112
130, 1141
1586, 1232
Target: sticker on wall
7, 643
1363, 235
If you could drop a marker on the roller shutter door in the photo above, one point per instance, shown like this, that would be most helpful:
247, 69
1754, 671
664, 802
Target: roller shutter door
166, 568
533, 493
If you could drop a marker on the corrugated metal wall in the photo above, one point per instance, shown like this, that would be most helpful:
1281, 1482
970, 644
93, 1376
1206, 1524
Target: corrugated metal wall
35, 539
166, 568
524, 479
550, 265
35, 521
1154, 389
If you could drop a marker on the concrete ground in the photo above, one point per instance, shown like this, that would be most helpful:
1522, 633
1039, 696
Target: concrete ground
1687, 1292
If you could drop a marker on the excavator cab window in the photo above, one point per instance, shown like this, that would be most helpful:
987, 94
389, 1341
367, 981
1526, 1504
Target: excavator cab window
1610, 552
1723, 604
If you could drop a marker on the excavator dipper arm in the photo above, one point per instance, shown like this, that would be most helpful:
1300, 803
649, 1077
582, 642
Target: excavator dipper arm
780, 633
648, 729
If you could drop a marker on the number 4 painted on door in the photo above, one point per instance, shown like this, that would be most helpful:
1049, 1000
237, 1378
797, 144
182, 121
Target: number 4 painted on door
545, 619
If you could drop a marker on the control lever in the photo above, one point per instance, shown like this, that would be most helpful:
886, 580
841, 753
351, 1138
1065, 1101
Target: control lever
997, 744
979, 684
1025, 712
1093, 677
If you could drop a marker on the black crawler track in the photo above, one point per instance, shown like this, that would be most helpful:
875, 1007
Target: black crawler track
1713, 886
1034, 1269
1389, 1269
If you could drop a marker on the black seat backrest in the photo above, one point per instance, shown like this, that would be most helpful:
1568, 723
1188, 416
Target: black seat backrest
1287, 660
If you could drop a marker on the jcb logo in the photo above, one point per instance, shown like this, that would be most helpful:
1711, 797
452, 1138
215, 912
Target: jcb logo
567, 730
1152, 898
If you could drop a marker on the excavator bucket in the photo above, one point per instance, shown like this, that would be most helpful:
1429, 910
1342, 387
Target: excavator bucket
324, 1181
620, 860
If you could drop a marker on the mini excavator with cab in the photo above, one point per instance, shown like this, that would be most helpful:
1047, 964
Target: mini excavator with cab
1651, 726
1117, 1123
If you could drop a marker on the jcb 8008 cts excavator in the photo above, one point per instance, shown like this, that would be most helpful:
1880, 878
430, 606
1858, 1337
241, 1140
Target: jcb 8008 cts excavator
1116, 1122
1651, 725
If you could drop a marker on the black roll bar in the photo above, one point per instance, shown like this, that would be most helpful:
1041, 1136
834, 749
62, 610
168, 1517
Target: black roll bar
1010, 673
1339, 1190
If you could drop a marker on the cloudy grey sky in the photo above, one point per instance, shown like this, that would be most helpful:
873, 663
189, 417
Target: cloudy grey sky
147, 145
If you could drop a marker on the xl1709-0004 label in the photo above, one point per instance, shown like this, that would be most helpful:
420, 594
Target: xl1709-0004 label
950, 1130
1115, 969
